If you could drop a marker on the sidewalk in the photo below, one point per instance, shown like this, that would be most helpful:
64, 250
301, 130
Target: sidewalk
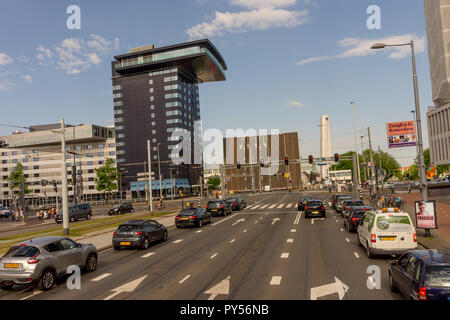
440, 238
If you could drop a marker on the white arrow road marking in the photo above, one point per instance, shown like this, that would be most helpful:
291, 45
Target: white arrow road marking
127, 287
288, 205
184, 279
103, 276
198, 231
238, 221
347, 239
356, 255
222, 287
148, 255
290, 240
35, 292
275, 281
274, 220
245, 230
312, 220
297, 218
325, 290
232, 240
178, 241
284, 255
342, 230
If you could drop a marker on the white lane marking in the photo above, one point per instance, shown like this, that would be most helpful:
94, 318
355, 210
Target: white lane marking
112, 296
280, 206
264, 206
35, 292
178, 241
275, 281
184, 279
198, 231
232, 240
290, 240
293, 230
272, 206
261, 218
356, 255
250, 206
337, 221
297, 218
223, 220
347, 239
256, 221
342, 230
288, 205
213, 256
256, 207
275, 220
245, 230
148, 255
284, 255
103, 276
238, 221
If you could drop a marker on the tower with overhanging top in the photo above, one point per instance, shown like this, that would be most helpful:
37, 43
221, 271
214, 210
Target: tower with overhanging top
325, 145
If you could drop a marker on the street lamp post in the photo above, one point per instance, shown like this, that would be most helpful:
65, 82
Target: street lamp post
159, 172
418, 119
65, 204
358, 173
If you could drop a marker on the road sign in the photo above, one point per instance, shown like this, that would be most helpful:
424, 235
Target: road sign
228, 179
322, 164
286, 175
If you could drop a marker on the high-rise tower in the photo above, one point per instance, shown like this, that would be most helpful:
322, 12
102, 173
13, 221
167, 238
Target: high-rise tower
325, 145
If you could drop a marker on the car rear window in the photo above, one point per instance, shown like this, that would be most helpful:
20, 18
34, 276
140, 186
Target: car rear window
360, 212
187, 212
394, 223
314, 203
437, 276
214, 203
354, 203
24, 252
128, 227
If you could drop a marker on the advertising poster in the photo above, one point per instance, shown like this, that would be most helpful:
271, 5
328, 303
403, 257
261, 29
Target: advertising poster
432, 172
426, 214
401, 134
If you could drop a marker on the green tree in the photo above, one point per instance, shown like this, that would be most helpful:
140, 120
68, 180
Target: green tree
426, 155
15, 179
107, 177
213, 182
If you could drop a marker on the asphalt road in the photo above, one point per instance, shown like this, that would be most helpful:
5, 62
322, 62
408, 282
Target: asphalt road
267, 251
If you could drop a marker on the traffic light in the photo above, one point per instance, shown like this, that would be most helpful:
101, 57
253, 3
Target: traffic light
336, 157
310, 159
286, 160
55, 186
74, 175
238, 165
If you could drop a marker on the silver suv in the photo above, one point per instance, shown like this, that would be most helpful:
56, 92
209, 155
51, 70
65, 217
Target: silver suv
41, 261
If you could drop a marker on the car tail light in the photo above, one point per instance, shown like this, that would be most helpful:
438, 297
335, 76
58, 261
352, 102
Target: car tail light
415, 237
299, 203
236, 203
423, 293
306, 208
138, 233
221, 206
176, 218
192, 217
353, 219
115, 234
33, 259
346, 208
323, 207
373, 238
206, 206
23, 245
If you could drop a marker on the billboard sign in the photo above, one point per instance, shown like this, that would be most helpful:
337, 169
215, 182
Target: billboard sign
426, 214
401, 134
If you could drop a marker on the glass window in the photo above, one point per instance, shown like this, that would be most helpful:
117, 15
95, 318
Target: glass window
112, 153
35, 159
153, 123
90, 163
152, 107
101, 146
35, 151
152, 115
150, 81
111, 145
437, 276
67, 244
14, 153
152, 98
101, 154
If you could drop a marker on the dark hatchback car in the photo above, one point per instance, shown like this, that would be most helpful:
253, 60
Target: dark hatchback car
237, 203
315, 208
302, 202
216, 207
192, 217
76, 212
421, 275
346, 205
121, 208
335, 199
138, 233
354, 216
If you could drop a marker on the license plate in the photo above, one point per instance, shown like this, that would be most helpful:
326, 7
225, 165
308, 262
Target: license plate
387, 238
125, 243
315, 212
214, 210
12, 265
184, 218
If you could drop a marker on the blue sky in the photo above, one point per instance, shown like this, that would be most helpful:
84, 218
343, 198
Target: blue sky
48, 71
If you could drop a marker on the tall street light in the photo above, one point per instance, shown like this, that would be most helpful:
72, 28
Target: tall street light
356, 142
418, 120
159, 172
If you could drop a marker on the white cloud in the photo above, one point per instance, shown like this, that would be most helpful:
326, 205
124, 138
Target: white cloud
44, 53
295, 104
260, 19
6, 85
23, 59
28, 78
93, 58
116, 43
362, 47
258, 4
5, 59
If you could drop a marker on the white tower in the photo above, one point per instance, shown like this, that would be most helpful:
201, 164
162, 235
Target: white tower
325, 145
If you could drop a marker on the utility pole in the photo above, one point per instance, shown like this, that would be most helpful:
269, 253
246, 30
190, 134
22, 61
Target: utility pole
150, 176
222, 185
356, 141
381, 167
355, 177
372, 163
159, 173
65, 204
252, 173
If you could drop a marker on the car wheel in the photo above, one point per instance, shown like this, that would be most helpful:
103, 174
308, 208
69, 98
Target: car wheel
88, 217
132, 210
91, 263
178, 227
392, 285
209, 220
47, 280
224, 213
369, 254
164, 238
200, 223
72, 219
145, 244
8, 287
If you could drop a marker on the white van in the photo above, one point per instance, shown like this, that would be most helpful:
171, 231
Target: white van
386, 232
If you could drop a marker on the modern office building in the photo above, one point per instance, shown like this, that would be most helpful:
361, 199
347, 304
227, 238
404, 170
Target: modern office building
155, 92
437, 14
39, 151
250, 151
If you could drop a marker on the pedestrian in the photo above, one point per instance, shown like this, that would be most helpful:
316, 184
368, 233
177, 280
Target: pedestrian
22, 217
160, 203
329, 187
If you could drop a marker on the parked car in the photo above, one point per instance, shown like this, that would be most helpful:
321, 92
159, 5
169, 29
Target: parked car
76, 212
387, 231
237, 203
5, 212
335, 198
302, 202
347, 204
138, 233
339, 204
421, 275
221, 207
192, 217
121, 208
314, 208
354, 215
41, 261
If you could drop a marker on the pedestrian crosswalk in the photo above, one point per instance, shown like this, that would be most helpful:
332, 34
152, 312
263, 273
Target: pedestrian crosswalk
272, 206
